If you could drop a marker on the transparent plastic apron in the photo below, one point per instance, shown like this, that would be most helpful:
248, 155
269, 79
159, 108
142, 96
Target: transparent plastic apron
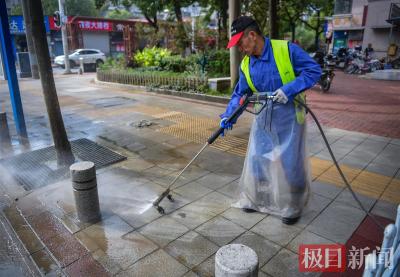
275, 177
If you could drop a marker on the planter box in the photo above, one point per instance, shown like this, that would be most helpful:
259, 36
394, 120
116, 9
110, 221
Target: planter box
151, 80
219, 84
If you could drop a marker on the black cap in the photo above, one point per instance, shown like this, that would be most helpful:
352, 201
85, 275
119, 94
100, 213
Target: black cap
238, 26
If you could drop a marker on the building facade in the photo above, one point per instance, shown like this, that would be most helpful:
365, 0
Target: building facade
360, 22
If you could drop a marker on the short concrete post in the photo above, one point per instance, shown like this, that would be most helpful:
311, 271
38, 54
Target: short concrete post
83, 175
236, 260
5, 139
81, 67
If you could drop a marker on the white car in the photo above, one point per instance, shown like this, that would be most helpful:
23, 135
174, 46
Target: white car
88, 56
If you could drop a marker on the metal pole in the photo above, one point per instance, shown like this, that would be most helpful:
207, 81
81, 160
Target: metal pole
193, 31
64, 37
29, 40
10, 72
234, 12
61, 143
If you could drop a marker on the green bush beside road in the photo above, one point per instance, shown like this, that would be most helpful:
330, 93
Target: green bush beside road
156, 67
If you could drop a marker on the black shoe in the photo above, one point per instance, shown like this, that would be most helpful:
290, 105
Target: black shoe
247, 210
290, 220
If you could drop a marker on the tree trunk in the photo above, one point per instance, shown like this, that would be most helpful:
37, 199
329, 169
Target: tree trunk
153, 23
317, 31
224, 15
219, 30
273, 19
293, 27
177, 10
29, 40
61, 143
182, 36
223, 27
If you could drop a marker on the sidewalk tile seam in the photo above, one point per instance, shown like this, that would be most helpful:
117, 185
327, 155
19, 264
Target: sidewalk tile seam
241, 225
184, 235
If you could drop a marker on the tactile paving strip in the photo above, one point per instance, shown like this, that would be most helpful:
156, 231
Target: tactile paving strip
199, 129
39, 167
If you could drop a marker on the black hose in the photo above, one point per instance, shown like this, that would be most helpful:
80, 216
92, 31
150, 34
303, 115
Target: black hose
337, 165
270, 98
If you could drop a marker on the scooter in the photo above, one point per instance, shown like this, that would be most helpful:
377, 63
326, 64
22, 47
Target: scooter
327, 64
327, 74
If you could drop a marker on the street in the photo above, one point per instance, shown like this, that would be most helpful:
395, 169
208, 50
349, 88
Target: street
133, 237
352, 103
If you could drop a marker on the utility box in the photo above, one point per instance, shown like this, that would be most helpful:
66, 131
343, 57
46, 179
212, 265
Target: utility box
24, 65
89, 67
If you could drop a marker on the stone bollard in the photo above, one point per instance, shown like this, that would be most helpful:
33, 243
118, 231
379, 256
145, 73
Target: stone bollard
81, 67
236, 260
5, 139
83, 175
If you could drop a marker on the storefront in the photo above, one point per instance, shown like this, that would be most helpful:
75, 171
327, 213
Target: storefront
17, 31
339, 40
111, 36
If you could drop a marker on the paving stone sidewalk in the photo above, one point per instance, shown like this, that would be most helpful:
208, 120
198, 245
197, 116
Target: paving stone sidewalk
133, 239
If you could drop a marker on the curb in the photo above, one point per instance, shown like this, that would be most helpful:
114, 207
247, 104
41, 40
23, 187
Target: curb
196, 96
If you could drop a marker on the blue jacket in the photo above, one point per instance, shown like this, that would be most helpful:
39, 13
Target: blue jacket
266, 78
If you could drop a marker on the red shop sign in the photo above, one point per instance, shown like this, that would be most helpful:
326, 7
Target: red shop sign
91, 25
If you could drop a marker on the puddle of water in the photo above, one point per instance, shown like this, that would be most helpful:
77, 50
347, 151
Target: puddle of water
44, 262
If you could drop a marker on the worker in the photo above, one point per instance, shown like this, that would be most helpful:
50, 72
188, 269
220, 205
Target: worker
276, 176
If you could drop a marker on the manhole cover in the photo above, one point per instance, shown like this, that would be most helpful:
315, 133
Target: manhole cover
39, 168
111, 102
142, 123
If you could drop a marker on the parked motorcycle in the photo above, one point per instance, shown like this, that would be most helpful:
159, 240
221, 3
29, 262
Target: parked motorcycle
362, 65
327, 73
327, 64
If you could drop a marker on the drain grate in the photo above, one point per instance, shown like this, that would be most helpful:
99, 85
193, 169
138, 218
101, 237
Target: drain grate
39, 168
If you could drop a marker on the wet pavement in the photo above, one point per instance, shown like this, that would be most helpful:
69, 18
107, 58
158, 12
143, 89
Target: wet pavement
14, 259
133, 239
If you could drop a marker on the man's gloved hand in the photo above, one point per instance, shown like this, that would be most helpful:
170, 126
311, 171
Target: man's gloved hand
225, 124
280, 96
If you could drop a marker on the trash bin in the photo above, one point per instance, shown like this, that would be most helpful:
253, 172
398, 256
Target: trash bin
24, 65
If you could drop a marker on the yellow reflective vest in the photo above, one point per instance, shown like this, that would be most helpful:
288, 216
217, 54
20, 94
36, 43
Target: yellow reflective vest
281, 54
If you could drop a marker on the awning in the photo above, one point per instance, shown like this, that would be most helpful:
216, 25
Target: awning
348, 28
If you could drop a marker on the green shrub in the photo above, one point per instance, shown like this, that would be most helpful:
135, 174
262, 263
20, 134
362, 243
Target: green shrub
114, 63
151, 56
174, 63
218, 63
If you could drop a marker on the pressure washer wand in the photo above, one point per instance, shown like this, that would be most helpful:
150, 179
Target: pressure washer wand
243, 104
